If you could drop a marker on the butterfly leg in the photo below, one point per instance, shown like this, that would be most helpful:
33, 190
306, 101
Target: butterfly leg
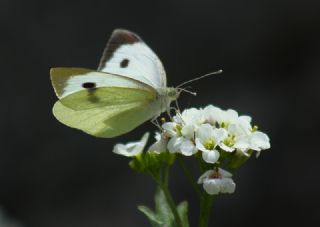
169, 114
178, 107
177, 111
155, 122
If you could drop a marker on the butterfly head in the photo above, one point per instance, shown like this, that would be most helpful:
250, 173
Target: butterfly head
173, 93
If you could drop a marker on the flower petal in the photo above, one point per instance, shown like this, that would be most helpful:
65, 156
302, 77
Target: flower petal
160, 145
188, 131
259, 141
170, 128
212, 114
212, 186
204, 132
190, 116
219, 134
227, 186
224, 173
205, 175
210, 156
187, 148
200, 145
242, 143
133, 148
226, 148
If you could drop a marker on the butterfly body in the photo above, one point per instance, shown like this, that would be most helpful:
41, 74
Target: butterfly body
128, 88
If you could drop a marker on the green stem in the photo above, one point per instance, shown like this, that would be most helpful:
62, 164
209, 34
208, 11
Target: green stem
170, 201
205, 210
188, 176
206, 200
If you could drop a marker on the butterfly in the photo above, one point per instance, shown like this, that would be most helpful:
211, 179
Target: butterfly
128, 88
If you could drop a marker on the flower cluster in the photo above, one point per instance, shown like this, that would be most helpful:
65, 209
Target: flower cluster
213, 132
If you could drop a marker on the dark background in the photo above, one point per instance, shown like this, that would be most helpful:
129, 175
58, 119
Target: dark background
52, 175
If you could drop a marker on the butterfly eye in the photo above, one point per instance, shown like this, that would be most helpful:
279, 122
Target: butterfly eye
89, 85
124, 63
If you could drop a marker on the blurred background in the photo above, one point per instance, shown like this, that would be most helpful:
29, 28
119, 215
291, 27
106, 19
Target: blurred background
52, 175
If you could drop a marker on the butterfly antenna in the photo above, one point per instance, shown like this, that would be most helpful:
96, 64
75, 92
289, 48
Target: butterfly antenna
200, 77
187, 91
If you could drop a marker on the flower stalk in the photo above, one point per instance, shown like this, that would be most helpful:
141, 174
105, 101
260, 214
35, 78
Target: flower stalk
206, 202
172, 206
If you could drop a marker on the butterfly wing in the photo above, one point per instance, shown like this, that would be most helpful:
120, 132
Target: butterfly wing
110, 120
101, 104
66, 81
127, 54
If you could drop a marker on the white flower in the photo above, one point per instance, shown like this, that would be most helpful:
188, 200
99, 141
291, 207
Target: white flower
160, 145
207, 139
217, 181
182, 131
256, 141
172, 129
133, 148
190, 116
240, 127
259, 141
236, 130
227, 117
182, 145
212, 114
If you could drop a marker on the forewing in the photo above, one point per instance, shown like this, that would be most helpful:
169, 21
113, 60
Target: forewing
126, 54
67, 81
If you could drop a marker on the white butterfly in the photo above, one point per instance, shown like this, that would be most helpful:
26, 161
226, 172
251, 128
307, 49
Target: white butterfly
129, 88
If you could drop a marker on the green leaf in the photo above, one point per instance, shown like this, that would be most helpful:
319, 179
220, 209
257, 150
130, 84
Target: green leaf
163, 209
153, 219
162, 216
183, 213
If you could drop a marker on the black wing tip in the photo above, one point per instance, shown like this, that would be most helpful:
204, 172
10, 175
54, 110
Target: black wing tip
124, 36
118, 38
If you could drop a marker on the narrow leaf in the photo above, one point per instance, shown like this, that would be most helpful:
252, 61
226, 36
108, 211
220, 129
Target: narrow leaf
153, 219
183, 213
162, 208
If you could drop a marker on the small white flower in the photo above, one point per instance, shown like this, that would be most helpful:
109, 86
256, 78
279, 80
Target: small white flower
228, 117
133, 148
241, 127
190, 116
182, 145
172, 129
160, 145
256, 141
259, 141
217, 181
212, 114
207, 139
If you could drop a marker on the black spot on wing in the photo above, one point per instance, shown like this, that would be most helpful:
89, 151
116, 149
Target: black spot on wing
124, 63
89, 85
118, 38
